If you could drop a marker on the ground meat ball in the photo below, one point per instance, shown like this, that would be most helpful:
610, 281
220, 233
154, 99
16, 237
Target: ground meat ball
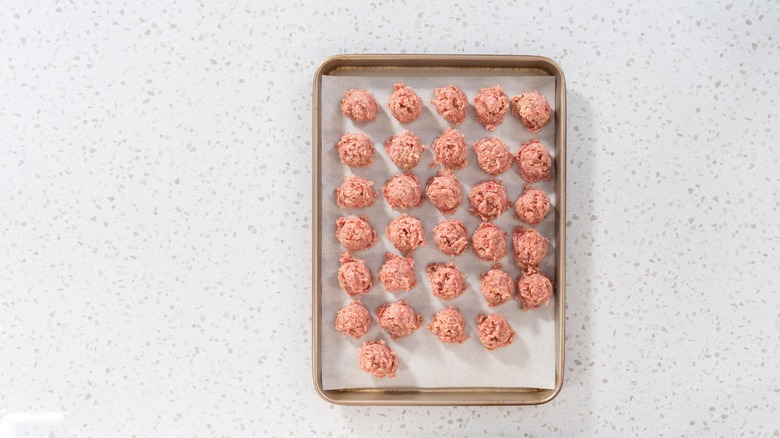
451, 237
404, 150
354, 277
493, 155
359, 105
532, 206
497, 286
530, 248
403, 191
356, 150
488, 200
398, 319
494, 331
451, 103
445, 192
450, 149
397, 273
355, 233
355, 192
533, 291
405, 233
447, 282
449, 326
405, 105
534, 161
491, 104
353, 320
532, 109
489, 242
378, 359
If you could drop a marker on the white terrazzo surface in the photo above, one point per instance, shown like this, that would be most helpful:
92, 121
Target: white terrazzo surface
155, 215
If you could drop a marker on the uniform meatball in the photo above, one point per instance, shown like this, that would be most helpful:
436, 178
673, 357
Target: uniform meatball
355, 233
449, 326
354, 277
403, 191
450, 149
494, 331
378, 359
405, 233
533, 291
497, 286
488, 200
493, 155
534, 161
532, 206
451, 103
355, 192
530, 248
359, 105
397, 273
398, 319
447, 282
356, 150
451, 237
532, 109
353, 320
445, 192
491, 104
405, 105
489, 242
404, 150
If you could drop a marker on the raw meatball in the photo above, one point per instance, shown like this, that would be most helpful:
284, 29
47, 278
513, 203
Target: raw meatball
451, 103
445, 192
378, 359
450, 149
533, 291
449, 326
497, 286
491, 104
493, 155
451, 237
447, 282
494, 331
403, 191
530, 248
405, 105
359, 105
404, 150
354, 277
489, 242
532, 206
488, 200
355, 192
534, 161
398, 319
397, 273
532, 109
356, 150
405, 233
355, 233
353, 320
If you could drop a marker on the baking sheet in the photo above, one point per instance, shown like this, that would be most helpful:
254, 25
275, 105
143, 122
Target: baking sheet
424, 361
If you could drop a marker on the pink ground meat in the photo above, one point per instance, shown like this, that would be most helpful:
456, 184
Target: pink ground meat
497, 286
405, 105
530, 248
405, 233
444, 192
532, 109
451, 103
490, 105
404, 150
355, 192
355, 150
451, 237
353, 320
489, 242
355, 233
534, 290
397, 273
532, 206
403, 191
378, 359
488, 200
398, 319
494, 331
450, 149
449, 326
359, 105
354, 277
447, 282
493, 155
534, 161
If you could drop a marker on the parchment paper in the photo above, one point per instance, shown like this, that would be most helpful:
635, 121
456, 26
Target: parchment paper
423, 360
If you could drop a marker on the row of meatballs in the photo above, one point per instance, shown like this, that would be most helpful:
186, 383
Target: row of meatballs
450, 150
490, 104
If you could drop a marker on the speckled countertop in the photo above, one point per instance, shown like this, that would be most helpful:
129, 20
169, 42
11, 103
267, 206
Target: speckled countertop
155, 215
